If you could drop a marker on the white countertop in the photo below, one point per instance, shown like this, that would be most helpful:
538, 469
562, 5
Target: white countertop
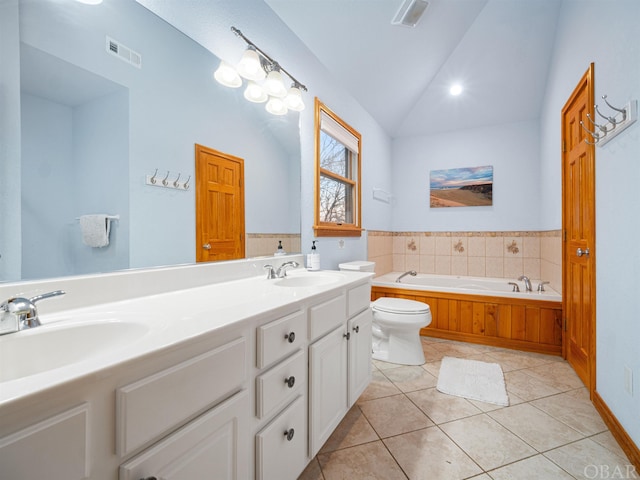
155, 322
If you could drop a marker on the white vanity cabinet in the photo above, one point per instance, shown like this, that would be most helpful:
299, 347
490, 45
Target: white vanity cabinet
212, 445
281, 444
64, 438
339, 362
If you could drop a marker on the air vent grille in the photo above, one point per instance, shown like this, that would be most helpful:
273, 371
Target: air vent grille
124, 53
409, 13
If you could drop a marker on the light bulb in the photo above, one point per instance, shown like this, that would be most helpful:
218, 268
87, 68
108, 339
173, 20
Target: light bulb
250, 66
276, 106
227, 75
274, 85
455, 89
255, 93
293, 100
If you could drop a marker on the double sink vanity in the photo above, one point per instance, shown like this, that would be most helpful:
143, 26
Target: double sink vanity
202, 371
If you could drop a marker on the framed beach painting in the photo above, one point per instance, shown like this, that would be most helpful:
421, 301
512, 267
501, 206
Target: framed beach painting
461, 187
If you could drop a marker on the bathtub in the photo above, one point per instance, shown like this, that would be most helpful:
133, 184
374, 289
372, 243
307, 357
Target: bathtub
486, 286
482, 310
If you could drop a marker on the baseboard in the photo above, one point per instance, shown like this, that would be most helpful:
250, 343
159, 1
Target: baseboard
617, 430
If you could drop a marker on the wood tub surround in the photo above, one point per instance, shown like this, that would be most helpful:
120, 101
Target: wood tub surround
524, 324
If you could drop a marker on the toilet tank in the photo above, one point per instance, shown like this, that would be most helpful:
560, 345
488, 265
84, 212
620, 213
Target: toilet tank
358, 266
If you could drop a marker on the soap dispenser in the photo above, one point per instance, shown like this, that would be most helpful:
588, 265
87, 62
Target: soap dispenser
280, 249
313, 258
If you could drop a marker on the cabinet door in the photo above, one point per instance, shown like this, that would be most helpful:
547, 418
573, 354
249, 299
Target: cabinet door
57, 447
359, 354
214, 445
281, 447
327, 386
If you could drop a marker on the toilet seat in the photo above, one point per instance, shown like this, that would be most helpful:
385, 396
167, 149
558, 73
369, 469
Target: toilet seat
400, 306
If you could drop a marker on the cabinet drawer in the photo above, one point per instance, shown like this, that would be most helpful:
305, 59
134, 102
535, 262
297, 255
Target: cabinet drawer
150, 407
214, 445
57, 447
359, 298
279, 338
272, 387
324, 317
281, 447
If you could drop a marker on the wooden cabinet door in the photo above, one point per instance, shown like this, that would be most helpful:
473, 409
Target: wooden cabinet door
359, 374
327, 386
219, 206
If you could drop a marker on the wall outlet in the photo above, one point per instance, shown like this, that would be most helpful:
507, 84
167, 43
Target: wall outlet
341, 243
628, 380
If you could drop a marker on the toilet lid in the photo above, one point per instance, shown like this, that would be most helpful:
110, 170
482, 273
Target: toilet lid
400, 305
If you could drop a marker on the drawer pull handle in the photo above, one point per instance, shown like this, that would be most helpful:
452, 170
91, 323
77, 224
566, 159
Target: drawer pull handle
289, 434
356, 329
290, 337
291, 381
347, 335
149, 478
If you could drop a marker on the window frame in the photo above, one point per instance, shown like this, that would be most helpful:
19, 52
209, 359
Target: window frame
334, 229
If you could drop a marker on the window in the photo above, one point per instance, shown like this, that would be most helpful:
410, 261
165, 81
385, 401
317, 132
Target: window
337, 190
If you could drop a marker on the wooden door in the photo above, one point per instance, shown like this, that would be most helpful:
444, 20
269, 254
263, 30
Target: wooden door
578, 223
219, 205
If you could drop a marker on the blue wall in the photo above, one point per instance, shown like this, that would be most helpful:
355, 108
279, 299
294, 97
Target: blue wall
605, 33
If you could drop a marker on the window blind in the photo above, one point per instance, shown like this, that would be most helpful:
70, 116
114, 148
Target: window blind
337, 131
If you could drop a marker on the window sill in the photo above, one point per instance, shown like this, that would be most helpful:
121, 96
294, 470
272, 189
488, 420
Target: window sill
337, 231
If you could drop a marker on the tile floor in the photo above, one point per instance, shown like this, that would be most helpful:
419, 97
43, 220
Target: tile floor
403, 428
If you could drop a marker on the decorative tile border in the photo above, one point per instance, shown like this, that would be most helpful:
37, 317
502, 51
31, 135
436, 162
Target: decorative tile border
504, 254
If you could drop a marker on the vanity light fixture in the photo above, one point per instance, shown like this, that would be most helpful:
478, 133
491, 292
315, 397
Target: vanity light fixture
265, 80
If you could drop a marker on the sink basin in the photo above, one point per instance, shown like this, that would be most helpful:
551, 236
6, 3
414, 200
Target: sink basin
47, 347
310, 280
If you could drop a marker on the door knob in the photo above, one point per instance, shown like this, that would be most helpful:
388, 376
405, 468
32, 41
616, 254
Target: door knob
207, 246
580, 252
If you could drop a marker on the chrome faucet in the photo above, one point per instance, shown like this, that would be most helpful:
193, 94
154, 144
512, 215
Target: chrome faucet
282, 269
527, 283
413, 273
19, 313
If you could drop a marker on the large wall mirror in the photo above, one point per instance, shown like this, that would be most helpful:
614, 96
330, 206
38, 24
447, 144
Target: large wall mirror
82, 128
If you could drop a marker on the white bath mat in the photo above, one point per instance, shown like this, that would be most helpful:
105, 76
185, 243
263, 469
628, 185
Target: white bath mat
472, 379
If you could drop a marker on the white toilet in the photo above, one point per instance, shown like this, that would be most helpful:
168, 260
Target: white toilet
396, 324
396, 330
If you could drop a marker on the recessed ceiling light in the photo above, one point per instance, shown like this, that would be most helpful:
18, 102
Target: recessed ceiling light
455, 90
90, 2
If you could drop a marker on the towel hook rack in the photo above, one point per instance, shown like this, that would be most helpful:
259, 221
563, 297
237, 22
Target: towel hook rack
176, 184
616, 123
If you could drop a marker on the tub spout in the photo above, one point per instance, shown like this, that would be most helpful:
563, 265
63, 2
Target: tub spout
527, 283
413, 273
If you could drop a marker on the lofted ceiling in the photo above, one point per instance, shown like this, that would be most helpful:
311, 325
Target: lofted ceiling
498, 50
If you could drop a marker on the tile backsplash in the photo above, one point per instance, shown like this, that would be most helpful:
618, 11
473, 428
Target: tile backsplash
479, 254
259, 244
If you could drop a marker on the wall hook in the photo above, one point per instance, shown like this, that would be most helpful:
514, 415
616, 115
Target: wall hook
596, 136
153, 178
621, 110
611, 120
186, 184
175, 182
600, 127
164, 180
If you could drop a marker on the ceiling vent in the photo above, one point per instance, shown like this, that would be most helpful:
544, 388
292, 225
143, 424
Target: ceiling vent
409, 13
124, 53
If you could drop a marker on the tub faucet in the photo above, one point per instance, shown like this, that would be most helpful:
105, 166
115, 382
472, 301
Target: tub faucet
527, 282
21, 313
413, 273
282, 270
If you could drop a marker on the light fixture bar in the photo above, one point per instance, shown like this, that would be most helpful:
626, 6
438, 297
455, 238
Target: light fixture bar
273, 62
